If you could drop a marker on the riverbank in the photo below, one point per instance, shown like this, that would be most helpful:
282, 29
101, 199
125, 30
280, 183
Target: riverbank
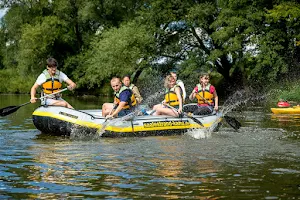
287, 91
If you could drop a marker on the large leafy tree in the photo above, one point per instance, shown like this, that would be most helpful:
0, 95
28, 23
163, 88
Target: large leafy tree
118, 51
229, 37
244, 41
279, 43
60, 28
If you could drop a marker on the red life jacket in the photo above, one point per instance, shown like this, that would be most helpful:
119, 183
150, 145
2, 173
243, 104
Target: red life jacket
283, 104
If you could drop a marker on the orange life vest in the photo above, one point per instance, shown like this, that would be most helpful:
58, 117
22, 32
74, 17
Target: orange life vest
171, 96
52, 83
205, 94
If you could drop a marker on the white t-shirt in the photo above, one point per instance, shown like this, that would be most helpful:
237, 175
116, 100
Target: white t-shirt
180, 83
42, 78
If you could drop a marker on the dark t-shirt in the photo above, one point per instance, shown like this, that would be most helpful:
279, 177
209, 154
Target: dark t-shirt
125, 96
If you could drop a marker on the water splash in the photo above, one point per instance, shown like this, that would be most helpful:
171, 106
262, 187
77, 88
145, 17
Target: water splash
240, 98
199, 133
82, 133
153, 99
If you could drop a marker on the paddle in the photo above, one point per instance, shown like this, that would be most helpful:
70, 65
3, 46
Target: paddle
187, 115
11, 109
235, 124
111, 121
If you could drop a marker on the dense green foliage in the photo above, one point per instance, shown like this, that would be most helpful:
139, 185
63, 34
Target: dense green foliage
241, 42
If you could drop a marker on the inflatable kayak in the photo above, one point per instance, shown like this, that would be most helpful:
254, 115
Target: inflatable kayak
56, 120
289, 110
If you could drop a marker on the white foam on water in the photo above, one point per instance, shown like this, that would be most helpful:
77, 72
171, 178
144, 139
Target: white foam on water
83, 134
198, 133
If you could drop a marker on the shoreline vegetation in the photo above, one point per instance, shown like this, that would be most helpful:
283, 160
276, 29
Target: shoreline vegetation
286, 90
242, 44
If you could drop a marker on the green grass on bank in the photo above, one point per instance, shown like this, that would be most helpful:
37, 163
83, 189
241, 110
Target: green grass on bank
288, 91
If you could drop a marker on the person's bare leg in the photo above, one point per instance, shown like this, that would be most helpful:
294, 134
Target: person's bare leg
166, 111
156, 108
61, 103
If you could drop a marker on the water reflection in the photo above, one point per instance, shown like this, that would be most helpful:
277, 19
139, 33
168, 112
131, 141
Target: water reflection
286, 120
260, 161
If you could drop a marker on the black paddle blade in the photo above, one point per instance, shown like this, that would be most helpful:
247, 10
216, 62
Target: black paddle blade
233, 122
8, 110
194, 119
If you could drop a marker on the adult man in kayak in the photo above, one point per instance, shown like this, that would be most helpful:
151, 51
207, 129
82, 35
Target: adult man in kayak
180, 84
124, 100
51, 81
135, 90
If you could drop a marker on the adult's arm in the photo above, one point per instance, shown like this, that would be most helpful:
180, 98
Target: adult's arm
137, 94
124, 98
71, 84
33, 93
118, 109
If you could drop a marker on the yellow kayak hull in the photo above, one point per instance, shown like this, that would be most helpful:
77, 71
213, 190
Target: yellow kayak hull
289, 110
57, 120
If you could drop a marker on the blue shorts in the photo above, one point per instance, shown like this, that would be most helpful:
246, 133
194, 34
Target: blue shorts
124, 112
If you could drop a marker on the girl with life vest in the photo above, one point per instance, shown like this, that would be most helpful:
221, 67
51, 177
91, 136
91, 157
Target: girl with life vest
206, 95
135, 90
180, 83
51, 81
173, 97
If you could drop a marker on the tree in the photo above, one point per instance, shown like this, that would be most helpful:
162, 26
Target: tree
118, 51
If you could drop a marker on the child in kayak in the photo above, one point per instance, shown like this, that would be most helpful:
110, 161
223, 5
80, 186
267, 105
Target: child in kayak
173, 97
206, 95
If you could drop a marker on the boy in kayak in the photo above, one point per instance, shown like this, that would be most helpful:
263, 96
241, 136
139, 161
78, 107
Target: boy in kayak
124, 100
206, 95
51, 81
135, 90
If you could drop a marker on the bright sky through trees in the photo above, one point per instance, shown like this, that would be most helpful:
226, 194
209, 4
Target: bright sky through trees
2, 12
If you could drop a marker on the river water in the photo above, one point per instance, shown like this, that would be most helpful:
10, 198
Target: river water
260, 161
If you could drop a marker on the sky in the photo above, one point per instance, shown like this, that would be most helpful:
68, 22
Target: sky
2, 12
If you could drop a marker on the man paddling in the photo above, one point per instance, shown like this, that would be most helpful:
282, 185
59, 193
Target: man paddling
124, 100
51, 82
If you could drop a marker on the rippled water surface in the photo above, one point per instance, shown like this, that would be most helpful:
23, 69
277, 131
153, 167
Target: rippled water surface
260, 161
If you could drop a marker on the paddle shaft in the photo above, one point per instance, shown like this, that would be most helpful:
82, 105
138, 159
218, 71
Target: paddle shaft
11, 109
185, 114
49, 95
204, 99
110, 121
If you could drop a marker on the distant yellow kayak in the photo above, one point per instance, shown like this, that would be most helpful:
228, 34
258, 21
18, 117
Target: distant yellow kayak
289, 110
